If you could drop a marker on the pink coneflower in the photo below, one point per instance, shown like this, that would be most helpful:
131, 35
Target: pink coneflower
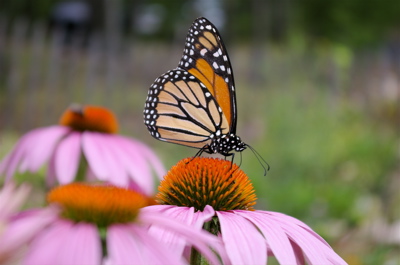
214, 187
103, 224
15, 231
85, 141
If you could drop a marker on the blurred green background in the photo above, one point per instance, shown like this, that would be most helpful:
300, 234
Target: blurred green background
318, 86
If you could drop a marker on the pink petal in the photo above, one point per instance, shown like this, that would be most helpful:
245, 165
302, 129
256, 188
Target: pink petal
10, 163
66, 243
90, 176
122, 247
94, 156
314, 247
183, 214
24, 228
67, 158
51, 173
297, 222
275, 236
122, 160
83, 246
180, 214
243, 242
200, 239
127, 243
4, 163
43, 145
202, 217
12, 198
150, 156
101, 158
46, 246
118, 174
136, 165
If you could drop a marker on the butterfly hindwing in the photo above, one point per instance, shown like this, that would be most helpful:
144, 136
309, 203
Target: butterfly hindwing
206, 58
180, 109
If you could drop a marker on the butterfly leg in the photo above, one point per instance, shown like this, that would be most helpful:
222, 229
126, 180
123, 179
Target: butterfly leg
233, 157
204, 148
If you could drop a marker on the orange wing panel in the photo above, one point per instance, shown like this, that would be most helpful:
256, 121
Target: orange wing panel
215, 84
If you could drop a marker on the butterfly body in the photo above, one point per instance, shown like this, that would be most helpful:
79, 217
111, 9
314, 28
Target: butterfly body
225, 143
195, 104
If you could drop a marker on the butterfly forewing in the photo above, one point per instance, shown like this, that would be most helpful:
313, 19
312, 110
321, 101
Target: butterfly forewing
206, 58
180, 109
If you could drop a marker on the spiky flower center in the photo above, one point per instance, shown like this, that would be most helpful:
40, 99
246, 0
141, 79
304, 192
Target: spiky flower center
98, 204
197, 182
91, 118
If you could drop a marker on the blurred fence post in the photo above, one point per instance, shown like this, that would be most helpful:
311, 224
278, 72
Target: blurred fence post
35, 70
15, 82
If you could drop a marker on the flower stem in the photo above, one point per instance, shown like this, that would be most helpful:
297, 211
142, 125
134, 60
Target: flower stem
82, 169
103, 235
195, 257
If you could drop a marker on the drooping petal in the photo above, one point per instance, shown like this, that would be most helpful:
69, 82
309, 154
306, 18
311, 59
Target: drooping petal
200, 239
46, 246
128, 244
5, 163
315, 249
243, 242
51, 176
149, 155
13, 159
11, 198
67, 158
186, 215
136, 165
83, 246
95, 157
66, 243
121, 159
275, 236
181, 214
42, 147
24, 227
101, 158
293, 220
122, 247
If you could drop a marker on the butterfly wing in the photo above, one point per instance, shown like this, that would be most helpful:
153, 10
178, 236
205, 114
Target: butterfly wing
206, 58
180, 109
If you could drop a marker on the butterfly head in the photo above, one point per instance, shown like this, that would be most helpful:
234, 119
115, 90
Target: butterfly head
225, 143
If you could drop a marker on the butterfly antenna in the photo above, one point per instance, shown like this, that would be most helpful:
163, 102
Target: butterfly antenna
260, 160
241, 159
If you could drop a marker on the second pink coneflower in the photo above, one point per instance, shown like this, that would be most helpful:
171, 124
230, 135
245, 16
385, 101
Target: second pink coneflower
85, 140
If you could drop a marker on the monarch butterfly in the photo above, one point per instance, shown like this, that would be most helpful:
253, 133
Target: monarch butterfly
195, 104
